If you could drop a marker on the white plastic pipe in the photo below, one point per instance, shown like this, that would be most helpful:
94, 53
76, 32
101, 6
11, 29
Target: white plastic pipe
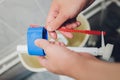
91, 50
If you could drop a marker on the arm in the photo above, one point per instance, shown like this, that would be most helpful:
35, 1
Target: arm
81, 66
99, 70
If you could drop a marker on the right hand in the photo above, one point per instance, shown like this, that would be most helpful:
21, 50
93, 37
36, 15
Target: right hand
63, 13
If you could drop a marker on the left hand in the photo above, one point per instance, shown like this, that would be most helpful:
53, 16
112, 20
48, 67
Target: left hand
61, 60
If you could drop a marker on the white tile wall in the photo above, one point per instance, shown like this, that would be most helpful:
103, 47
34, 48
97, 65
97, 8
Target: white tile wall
16, 16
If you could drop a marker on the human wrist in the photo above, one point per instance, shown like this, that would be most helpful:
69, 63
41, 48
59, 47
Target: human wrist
90, 69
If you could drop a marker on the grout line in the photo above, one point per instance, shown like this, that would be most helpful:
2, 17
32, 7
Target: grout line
10, 27
8, 66
38, 5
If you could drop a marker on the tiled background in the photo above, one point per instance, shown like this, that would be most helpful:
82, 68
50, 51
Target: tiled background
15, 18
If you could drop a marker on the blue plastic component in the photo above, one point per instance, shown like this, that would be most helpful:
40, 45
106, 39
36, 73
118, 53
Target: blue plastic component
32, 35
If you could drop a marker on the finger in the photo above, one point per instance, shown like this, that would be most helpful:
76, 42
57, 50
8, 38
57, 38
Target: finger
67, 34
51, 16
73, 25
53, 34
43, 61
57, 43
52, 13
52, 42
70, 21
42, 43
57, 22
78, 23
62, 44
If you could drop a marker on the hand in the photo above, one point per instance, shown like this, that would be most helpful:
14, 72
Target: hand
61, 60
63, 13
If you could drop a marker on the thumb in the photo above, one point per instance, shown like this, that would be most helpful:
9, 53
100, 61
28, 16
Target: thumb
42, 43
57, 22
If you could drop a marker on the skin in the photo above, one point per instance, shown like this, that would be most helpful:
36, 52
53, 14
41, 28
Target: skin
81, 66
59, 59
63, 13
